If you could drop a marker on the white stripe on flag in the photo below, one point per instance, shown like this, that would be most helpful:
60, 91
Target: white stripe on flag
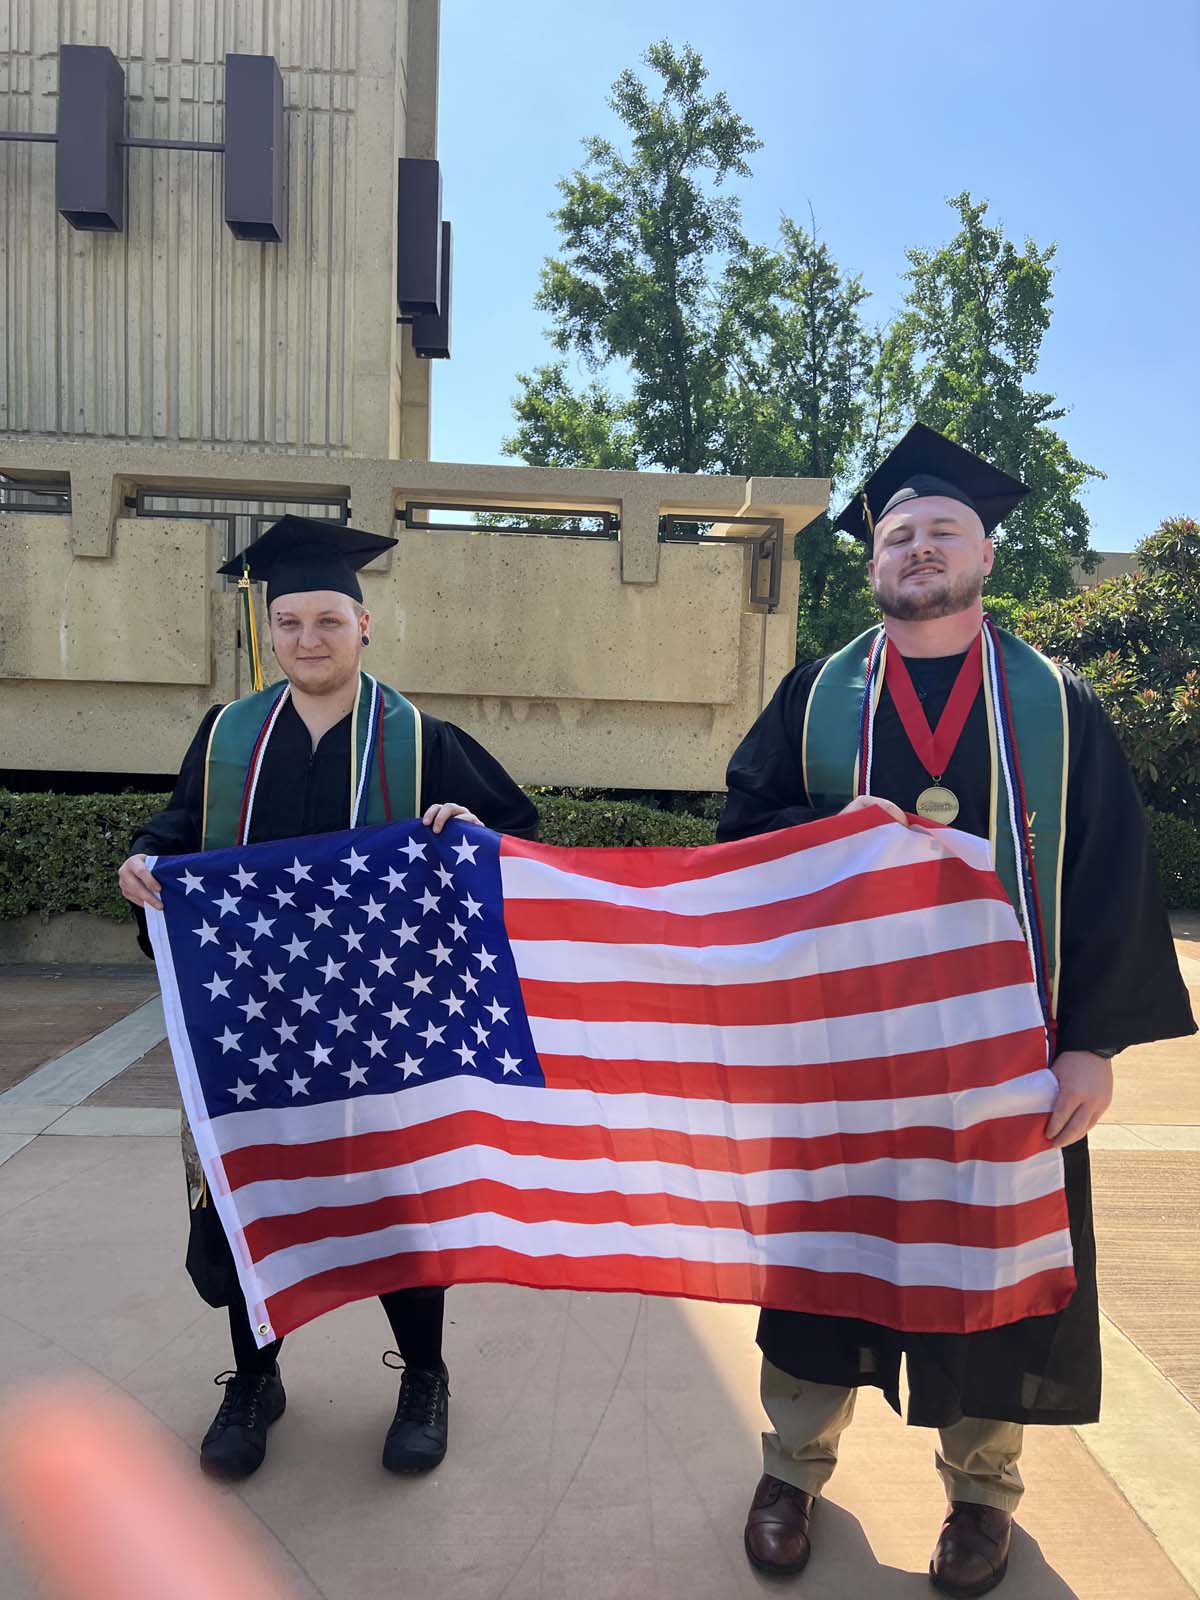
517, 1103
978, 1183
841, 947
841, 861
938, 1265
932, 1025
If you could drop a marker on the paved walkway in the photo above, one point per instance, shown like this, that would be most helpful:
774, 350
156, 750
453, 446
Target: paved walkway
602, 1447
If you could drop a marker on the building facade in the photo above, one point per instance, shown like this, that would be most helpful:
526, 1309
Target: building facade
224, 276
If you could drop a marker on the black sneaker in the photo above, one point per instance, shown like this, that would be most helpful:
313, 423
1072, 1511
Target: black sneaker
416, 1440
236, 1444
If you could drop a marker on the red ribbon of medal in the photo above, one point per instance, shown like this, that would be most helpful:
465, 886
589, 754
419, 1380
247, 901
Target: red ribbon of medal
934, 747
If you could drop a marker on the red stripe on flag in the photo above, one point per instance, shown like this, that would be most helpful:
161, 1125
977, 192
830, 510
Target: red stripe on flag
917, 1310
919, 980
907, 1222
978, 1064
641, 868
892, 891
999, 1139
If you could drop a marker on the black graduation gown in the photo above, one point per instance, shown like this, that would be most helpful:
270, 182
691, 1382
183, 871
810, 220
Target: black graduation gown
1119, 985
303, 791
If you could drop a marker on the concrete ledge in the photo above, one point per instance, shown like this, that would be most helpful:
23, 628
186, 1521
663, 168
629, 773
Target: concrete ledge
70, 936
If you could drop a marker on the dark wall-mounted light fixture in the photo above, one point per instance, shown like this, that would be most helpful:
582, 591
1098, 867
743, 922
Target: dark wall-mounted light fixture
418, 238
431, 333
90, 136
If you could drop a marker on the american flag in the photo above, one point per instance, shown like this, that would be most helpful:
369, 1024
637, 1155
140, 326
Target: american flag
805, 1070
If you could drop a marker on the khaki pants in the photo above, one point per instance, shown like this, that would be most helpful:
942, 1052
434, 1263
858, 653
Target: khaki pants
977, 1460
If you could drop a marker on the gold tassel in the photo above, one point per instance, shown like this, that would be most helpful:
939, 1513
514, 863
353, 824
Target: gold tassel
256, 672
867, 514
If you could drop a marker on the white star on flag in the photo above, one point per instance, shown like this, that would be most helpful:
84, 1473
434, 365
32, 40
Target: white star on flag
353, 940
273, 979
473, 908
245, 880
263, 1061
241, 958
364, 991
217, 985
432, 1035
262, 925
321, 1054
469, 982
322, 917
465, 1054
499, 1012
453, 1004
429, 901
283, 897
356, 1074
296, 947
355, 862
397, 1015
457, 928
413, 850
419, 984
299, 871
343, 1024
339, 891
228, 1041
331, 970
207, 935
445, 875
405, 933
383, 964
395, 879
307, 1002
286, 1032
411, 1065
190, 881
243, 1091
297, 1084
487, 961
465, 851
253, 1008
375, 1046
374, 909
441, 953
509, 1063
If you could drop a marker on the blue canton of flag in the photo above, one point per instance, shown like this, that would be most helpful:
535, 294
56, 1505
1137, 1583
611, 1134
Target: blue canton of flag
320, 969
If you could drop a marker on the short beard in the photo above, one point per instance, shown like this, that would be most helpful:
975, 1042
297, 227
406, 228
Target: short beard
928, 607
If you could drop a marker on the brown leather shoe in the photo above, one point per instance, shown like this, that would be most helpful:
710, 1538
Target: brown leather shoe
972, 1550
777, 1527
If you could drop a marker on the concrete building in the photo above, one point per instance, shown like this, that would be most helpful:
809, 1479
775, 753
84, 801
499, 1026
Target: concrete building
195, 339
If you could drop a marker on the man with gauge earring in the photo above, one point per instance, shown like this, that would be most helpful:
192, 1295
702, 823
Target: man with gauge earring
330, 748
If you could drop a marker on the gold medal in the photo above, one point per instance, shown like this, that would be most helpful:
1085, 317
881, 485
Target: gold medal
936, 804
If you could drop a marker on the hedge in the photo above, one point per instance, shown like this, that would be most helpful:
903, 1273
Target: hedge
61, 852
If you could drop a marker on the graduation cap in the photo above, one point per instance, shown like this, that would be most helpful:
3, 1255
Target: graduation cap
927, 463
299, 554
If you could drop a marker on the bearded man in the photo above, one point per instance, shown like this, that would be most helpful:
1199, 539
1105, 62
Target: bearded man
938, 713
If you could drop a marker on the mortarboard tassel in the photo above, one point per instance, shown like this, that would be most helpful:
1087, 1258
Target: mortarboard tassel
256, 672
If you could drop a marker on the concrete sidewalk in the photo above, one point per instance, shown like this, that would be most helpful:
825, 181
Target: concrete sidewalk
601, 1446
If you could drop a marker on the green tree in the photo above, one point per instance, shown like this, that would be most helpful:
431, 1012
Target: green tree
1136, 637
643, 233
960, 357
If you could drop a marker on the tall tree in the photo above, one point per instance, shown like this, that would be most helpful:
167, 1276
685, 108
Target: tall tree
643, 235
961, 356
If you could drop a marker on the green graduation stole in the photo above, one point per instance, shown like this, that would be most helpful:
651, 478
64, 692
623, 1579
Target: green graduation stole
1029, 741
385, 760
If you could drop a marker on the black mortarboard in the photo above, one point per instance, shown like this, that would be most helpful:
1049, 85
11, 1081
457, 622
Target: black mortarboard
927, 463
299, 554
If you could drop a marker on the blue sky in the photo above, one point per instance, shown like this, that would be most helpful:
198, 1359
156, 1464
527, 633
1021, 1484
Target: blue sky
1077, 122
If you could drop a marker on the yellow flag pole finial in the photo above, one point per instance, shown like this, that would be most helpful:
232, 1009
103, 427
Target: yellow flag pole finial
252, 650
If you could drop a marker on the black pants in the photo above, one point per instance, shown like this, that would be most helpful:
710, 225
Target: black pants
415, 1316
